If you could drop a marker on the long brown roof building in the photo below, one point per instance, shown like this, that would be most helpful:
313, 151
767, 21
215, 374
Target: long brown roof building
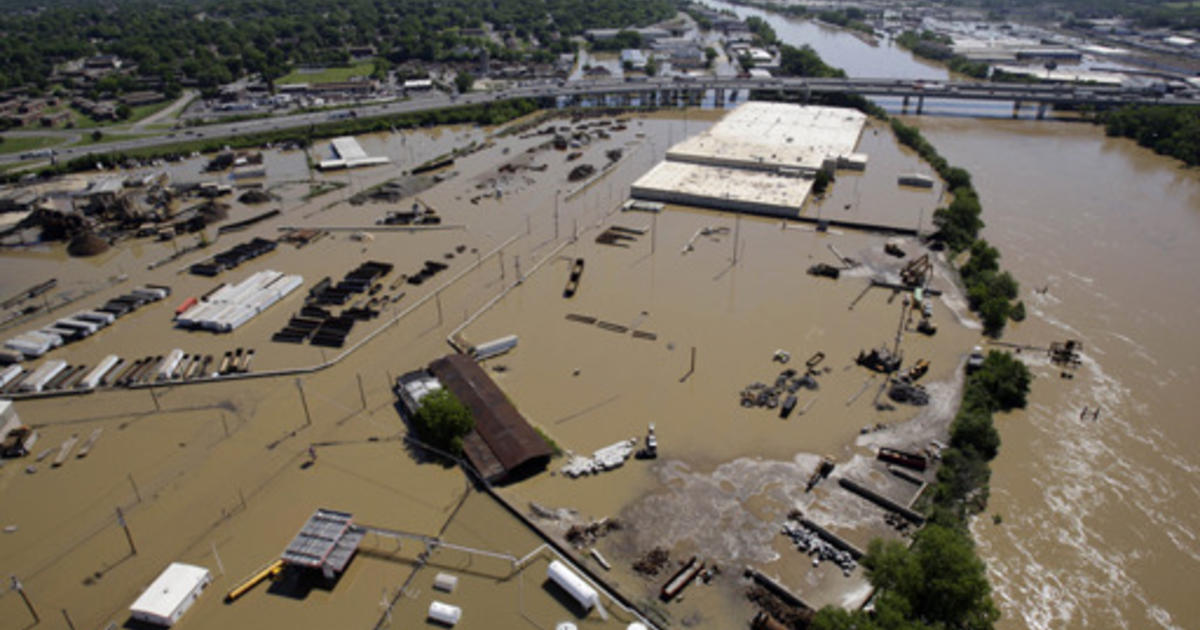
502, 446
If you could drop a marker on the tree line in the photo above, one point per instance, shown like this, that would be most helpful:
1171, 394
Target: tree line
213, 42
936, 47
990, 291
1168, 130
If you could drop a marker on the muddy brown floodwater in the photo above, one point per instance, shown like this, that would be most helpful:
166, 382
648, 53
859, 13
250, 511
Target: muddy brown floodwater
218, 474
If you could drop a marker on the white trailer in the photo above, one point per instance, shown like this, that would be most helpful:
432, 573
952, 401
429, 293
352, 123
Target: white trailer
93, 378
9, 374
98, 317
68, 322
169, 364
170, 594
44, 374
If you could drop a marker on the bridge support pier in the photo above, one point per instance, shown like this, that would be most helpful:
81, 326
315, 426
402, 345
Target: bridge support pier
920, 104
1042, 107
1016, 109
904, 103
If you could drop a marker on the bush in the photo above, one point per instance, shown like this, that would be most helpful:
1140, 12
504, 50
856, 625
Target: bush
1018, 312
443, 420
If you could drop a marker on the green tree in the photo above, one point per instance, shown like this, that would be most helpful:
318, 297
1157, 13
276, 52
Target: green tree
97, 135
710, 55
443, 420
463, 82
1005, 380
974, 428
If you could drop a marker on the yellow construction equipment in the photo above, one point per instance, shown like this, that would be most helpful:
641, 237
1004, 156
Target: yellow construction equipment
271, 571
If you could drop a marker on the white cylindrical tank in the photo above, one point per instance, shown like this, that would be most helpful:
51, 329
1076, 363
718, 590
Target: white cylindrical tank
573, 584
444, 613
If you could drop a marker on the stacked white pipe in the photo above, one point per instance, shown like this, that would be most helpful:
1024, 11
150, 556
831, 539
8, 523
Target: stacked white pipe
234, 305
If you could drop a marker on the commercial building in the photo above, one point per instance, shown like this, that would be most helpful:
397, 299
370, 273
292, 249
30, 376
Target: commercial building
761, 158
502, 446
759, 192
170, 594
773, 136
349, 154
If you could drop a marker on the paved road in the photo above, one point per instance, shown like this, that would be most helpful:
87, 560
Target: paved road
963, 90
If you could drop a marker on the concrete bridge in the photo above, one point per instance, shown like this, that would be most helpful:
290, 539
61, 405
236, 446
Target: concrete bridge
663, 91
673, 91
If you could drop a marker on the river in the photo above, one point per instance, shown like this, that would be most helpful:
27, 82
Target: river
1098, 520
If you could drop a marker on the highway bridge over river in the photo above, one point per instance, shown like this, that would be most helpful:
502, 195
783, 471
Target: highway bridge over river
674, 91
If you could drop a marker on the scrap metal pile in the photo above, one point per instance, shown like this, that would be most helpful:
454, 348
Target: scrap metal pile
808, 541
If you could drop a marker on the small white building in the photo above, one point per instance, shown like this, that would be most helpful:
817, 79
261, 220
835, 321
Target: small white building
171, 594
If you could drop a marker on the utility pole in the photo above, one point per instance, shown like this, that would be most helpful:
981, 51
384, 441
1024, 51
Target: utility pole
136, 492
16, 584
304, 402
737, 234
361, 392
128, 536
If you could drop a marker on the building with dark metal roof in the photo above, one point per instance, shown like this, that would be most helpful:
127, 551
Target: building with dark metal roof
502, 445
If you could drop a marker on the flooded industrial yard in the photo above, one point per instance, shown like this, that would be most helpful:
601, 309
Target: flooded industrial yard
221, 474
1099, 517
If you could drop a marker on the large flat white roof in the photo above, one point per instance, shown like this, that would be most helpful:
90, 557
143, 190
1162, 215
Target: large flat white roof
724, 188
762, 135
170, 589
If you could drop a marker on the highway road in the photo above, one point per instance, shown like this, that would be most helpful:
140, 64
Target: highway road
882, 87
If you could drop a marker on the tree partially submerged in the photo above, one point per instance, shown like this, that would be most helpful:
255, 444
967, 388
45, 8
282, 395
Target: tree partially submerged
443, 421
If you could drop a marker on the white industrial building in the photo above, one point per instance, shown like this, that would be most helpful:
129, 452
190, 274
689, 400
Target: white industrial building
769, 136
349, 155
760, 158
762, 192
170, 594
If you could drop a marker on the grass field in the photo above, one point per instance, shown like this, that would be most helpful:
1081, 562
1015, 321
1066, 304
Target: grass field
328, 75
143, 111
28, 143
